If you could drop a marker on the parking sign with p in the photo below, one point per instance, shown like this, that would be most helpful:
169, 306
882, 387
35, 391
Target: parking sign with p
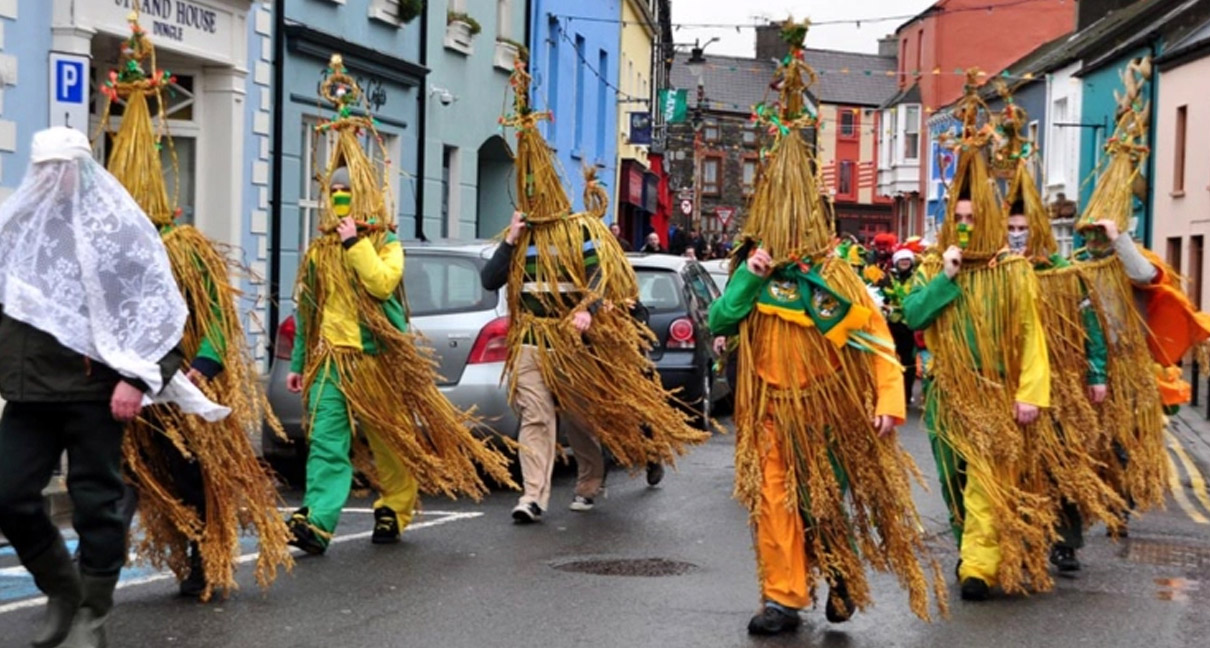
69, 90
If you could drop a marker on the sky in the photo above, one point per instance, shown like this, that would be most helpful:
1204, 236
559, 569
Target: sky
848, 37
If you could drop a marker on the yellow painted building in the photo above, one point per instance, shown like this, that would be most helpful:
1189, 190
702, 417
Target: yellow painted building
638, 36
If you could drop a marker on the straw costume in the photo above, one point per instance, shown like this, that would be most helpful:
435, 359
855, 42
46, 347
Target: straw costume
1078, 355
199, 483
988, 352
563, 263
1150, 322
358, 361
816, 365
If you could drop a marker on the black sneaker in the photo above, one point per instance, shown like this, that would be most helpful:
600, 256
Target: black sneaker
194, 584
386, 526
1064, 558
974, 589
524, 513
303, 536
773, 620
655, 473
840, 605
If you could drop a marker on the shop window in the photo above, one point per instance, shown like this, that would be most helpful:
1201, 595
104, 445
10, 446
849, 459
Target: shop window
750, 169
178, 98
712, 175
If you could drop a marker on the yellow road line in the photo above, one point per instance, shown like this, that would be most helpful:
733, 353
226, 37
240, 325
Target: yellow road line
1195, 476
1178, 493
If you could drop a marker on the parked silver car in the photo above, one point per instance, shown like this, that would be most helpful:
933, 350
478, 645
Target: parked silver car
465, 324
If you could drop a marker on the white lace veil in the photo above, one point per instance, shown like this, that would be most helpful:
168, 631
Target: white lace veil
81, 261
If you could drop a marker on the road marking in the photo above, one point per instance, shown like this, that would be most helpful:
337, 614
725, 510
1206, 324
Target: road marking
1195, 476
1178, 493
446, 518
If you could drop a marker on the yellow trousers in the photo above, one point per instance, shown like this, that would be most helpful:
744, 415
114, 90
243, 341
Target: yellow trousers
980, 547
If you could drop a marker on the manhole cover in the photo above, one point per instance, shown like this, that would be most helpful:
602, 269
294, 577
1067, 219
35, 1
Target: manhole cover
627, 567
1168, 554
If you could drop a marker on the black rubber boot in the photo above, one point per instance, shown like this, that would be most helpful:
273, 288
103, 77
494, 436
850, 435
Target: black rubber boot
194, 584
88, 628
974, 589
55, 574
840, 605
773, 620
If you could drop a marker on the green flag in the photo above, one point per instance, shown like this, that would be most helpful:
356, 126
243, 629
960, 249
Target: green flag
675, 105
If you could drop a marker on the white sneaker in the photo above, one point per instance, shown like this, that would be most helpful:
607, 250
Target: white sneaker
581, 503
527, 513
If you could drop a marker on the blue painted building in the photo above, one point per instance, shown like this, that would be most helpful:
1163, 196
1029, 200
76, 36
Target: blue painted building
575, 70
24, 92
383, 53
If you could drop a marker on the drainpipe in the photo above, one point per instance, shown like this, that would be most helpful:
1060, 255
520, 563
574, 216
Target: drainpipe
275, 182
1149, 204
422, 104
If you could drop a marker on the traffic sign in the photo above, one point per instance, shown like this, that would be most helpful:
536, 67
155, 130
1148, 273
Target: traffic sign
69, 90
724, 215
687, 207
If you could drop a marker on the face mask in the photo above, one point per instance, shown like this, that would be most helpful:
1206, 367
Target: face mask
342, 202
964, 234
1017, 241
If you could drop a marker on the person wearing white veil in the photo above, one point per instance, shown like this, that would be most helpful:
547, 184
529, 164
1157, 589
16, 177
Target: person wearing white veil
91, 319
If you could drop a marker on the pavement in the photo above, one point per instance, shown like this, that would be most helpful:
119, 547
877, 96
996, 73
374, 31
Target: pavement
466, 576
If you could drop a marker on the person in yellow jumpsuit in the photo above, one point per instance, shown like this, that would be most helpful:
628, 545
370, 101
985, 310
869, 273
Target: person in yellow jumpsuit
990, 376
819, 393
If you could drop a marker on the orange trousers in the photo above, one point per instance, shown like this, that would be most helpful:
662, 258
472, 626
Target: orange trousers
780, 543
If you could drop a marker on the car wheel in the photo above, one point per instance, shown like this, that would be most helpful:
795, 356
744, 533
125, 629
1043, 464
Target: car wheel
705, 408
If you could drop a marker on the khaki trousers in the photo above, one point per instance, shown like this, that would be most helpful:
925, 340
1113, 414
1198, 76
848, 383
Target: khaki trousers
539, 426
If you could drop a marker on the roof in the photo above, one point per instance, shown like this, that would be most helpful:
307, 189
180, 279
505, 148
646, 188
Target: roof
866, 83
732, 84
658, 260
908, 95
933, 8
1030, 64
1190, 47
1146, 31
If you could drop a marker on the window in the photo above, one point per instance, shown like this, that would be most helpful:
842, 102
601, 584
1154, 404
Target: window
844, 179
451, 188
443, 285
1058, 143
701, 285
580, 96
552, 74
893, 121
602, 91
1178, 164
848, 122
749, 135
660, 290
710, 132
750, 168
1197, 249
316, 149
712, 175
911, 133
504, 18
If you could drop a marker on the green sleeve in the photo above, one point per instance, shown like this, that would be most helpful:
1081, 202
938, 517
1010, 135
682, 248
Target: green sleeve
1094, 344
298, 355
927, 299
214, 344
737, 301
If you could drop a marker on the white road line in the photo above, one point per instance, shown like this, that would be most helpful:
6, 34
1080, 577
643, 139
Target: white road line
446, 518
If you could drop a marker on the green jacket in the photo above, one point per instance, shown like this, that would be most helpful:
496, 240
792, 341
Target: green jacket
736, 303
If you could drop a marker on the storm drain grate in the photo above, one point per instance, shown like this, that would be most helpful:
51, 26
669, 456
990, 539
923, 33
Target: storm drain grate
649, 567
1168, 554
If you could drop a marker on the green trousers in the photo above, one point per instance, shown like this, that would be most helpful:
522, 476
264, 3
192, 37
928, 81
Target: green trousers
951, 469
330, 470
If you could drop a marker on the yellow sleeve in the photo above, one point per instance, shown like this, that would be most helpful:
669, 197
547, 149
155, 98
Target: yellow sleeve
380, 273
888, 376
1034, 385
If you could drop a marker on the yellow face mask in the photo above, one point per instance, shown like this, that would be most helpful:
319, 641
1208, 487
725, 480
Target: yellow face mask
342, 202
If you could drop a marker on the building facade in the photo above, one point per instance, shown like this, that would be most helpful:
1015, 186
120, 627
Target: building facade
383, 54
1182, 166
574, 53
637, 186
468, 170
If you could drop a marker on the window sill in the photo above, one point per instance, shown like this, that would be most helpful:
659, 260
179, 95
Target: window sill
576, 154
600, 164
1180, 193
505, 57
458, 38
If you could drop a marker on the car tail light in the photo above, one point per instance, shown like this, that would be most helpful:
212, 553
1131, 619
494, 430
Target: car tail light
492, 343
283, 348
680, 335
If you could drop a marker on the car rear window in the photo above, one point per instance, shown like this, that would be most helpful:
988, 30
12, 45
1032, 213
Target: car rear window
660, 290
441, 284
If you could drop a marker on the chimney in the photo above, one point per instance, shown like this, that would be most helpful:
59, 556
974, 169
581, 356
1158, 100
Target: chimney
768, 42
888, 46
1090, 11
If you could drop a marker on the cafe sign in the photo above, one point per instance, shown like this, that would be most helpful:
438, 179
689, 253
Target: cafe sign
195, 27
